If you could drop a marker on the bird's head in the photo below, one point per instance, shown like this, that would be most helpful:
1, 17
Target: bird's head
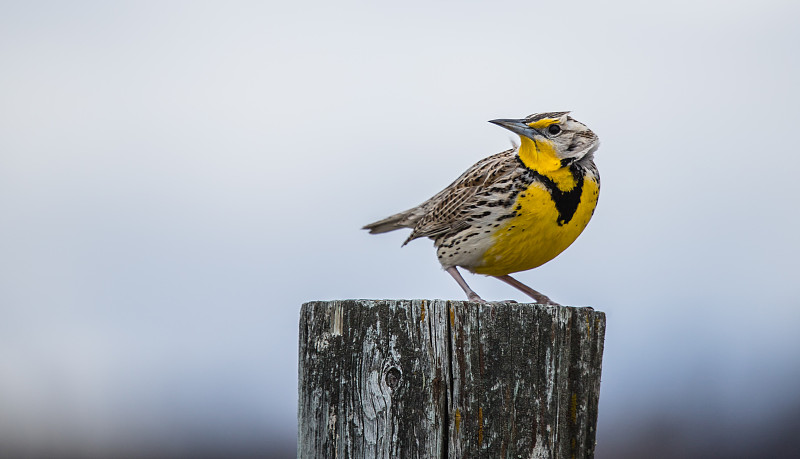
551, 140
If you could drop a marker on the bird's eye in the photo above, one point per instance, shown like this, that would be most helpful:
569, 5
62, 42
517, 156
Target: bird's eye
554, 129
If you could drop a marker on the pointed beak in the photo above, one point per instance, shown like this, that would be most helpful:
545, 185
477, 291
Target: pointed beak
517, 127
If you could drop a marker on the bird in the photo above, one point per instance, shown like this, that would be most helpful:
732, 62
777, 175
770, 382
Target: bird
515, 210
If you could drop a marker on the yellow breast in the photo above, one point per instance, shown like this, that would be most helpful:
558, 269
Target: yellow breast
541, 229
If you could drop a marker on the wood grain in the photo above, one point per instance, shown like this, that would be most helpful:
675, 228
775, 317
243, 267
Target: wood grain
447, 379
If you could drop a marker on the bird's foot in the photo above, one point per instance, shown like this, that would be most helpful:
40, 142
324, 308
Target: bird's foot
546, 301
475, 298
537, 297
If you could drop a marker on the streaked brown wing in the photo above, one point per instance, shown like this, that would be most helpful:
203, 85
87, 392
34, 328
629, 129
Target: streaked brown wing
449, 209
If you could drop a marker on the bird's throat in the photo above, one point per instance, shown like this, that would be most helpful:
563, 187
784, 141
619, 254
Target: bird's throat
541, 157
538, 155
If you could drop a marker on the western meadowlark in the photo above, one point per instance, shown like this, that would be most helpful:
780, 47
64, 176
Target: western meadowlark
515, 210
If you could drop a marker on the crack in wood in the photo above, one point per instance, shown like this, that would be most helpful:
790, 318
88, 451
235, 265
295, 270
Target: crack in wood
449, 379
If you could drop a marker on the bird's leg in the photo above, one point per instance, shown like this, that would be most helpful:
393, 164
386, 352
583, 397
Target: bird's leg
471, 295
541, 299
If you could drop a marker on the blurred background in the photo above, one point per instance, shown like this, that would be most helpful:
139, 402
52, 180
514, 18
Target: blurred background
177, 178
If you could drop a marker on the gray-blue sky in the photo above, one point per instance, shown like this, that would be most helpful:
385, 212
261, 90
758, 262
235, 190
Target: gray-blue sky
177, 178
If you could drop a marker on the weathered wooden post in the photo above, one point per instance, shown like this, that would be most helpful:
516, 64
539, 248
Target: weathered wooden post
447, 379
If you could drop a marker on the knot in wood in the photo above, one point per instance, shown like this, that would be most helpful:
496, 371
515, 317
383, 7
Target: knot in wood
393, 377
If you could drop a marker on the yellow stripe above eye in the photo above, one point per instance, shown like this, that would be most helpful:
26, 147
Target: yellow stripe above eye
543, 123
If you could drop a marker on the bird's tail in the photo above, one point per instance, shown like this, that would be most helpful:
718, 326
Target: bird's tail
405, 219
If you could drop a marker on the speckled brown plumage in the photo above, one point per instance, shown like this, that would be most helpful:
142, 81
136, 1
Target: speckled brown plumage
466, 218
